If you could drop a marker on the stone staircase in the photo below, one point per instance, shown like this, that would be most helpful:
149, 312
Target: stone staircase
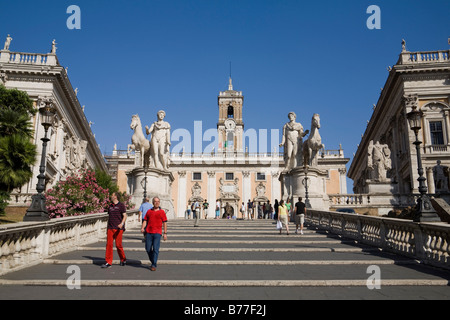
231, 260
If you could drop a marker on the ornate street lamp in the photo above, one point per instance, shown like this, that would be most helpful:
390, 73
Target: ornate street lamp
144, 182
425, 211
305, 183
38, 211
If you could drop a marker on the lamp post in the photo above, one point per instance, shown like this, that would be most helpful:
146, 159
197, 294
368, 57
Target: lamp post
305, 183
145, 182
425, 211
38, 211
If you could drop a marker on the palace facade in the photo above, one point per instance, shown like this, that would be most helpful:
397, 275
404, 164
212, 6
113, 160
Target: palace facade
72, 144
231, 174
418, 80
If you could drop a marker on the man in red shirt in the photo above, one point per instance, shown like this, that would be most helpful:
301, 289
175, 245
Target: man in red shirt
116, 227
154, 221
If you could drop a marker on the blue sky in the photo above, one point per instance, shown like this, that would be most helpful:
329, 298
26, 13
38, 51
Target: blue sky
137, 57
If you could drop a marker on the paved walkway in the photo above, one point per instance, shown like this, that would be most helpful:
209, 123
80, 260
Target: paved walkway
231, 260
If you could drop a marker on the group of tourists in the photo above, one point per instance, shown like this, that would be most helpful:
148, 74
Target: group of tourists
196, 208
259, 210
250, 211
154, 220
284, 215
154, 224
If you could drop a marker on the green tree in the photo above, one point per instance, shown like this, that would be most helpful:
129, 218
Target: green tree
105, 181
16, 100
17, 152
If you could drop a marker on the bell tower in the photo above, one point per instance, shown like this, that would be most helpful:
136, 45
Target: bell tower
230, 126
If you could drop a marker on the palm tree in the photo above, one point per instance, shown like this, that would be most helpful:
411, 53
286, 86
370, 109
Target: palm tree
17, 155
17, 151
14, 122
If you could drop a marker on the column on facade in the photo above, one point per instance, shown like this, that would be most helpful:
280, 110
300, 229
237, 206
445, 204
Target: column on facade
343, 181
58, 152
447, 125
239, 147
246, 186
430, 180
181, 200
211, 194
275, 187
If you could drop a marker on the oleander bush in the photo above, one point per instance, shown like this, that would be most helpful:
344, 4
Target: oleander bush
81, 194
77, 195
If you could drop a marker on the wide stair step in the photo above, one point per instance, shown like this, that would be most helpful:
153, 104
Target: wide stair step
232, 259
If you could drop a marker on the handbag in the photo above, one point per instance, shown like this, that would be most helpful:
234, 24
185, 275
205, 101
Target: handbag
279, 225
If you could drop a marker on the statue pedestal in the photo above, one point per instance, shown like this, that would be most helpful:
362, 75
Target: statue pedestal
294, 187
159, 184
380, 187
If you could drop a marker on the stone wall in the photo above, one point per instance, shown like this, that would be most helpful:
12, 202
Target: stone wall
25, 244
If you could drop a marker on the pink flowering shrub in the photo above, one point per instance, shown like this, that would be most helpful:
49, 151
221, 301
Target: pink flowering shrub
77, 195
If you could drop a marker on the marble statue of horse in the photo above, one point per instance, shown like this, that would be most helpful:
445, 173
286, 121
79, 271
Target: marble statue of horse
139, 141
313, 144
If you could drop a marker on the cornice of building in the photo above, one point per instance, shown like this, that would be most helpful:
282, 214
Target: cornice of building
425, 65
29, 66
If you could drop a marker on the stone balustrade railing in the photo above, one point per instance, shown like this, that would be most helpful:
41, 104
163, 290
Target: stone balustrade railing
364, 200
20, 199
49, 59
226, 158
341, 199
426, 242
25, 244
436, 148
407, 57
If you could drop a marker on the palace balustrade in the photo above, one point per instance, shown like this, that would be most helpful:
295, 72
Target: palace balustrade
426, 242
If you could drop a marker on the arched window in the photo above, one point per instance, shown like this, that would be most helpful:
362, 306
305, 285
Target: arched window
230, 113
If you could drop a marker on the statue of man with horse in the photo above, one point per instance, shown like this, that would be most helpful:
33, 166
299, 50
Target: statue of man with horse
154, 152
292, 140
159, 142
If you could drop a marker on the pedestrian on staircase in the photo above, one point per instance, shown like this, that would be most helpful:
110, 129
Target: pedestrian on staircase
300, 210
188, 211
283, 216
205, 208
145, 206
289, 207
217, 209
116, 226
154, 221
196, 214
250, 209
275, 208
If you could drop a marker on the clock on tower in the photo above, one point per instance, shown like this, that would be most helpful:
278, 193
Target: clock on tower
230, 125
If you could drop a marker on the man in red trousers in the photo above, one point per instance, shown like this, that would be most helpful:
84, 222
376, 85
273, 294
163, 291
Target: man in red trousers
116, 227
